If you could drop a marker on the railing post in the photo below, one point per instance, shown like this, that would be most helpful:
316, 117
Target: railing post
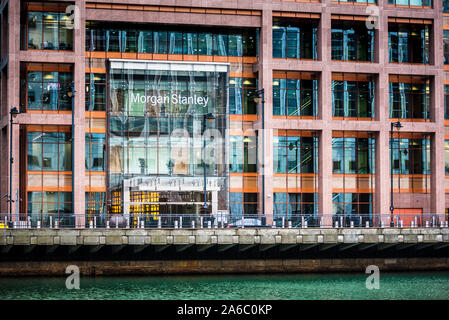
289, 224
38, 224
283, 222
209, 224
142, 224
201, 221
56, 224
321, 222
305, 224
433, 221
382, 224
176, 224
367, 224
352, 224
180, 222
91, 224
427, 223
51, 222
107, 224
400, 223
416, 221
341, 222
159, 223
193, 224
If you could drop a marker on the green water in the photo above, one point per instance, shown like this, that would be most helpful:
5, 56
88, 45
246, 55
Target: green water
416, 285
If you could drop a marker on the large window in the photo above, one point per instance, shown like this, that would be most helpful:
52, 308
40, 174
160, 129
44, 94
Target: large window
295, 94
43, 205
353, 155
296, 39
154, 39
446, 6
95, 205
294, 154
352, 207
294, 207
411, 163
49, 31
243, 153
353, 95
95, 92
241, 100
409, 43
49, 151
409, 97
49, 87
352, 41
411, 3
446, 46
243, 204
95, 151
446, 101
446, 157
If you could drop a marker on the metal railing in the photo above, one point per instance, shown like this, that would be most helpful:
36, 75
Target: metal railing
197, 221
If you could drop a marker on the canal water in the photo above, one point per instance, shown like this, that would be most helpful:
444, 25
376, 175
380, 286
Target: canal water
348, 286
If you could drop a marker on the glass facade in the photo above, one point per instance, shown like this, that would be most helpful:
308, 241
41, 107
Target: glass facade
352, 41
411, 163
243, 153
49, 151
446, 46
295, 94
352, 207
352, 155
295, 154
353, 95
49, 31
241, 100
95, 206
95, 92
295, 39
409, 97
171, 40
411, 3
158, 129
95, 151
446, 102
409, 43
294, 207
446, 157
243, 204
47, 87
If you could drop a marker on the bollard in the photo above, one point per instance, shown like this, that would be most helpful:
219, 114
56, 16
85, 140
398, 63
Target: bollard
56, 224
142, 224
116, 223
159, 223
176, 224
14, 224
193, 224
38, 224
95, 222
305, 224
321, 222
367, 224
51, 222
138, 222
29, 224
400, 223
273, 225
360, 221
412, 224
433, 221
283, 222
341, 222
416, 221
222, 222
107, 224
91, 224
289, 223
201, 221
302, 221
447, 224
352, 224
382, 224
336, 224
209, 224
180, 222
427, 224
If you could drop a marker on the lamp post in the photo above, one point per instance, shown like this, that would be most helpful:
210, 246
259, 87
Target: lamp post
398, 125
209, 116
257, 95
13, 113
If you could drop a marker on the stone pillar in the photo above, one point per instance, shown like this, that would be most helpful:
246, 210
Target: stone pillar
265, 153
325, 114
78, 145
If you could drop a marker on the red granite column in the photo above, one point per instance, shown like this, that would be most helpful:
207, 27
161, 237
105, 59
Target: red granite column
382, 190
13, 97
265, 154
437, 115
325, 114
79, 117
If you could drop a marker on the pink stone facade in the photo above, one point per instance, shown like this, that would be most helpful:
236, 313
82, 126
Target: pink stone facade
435, 202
